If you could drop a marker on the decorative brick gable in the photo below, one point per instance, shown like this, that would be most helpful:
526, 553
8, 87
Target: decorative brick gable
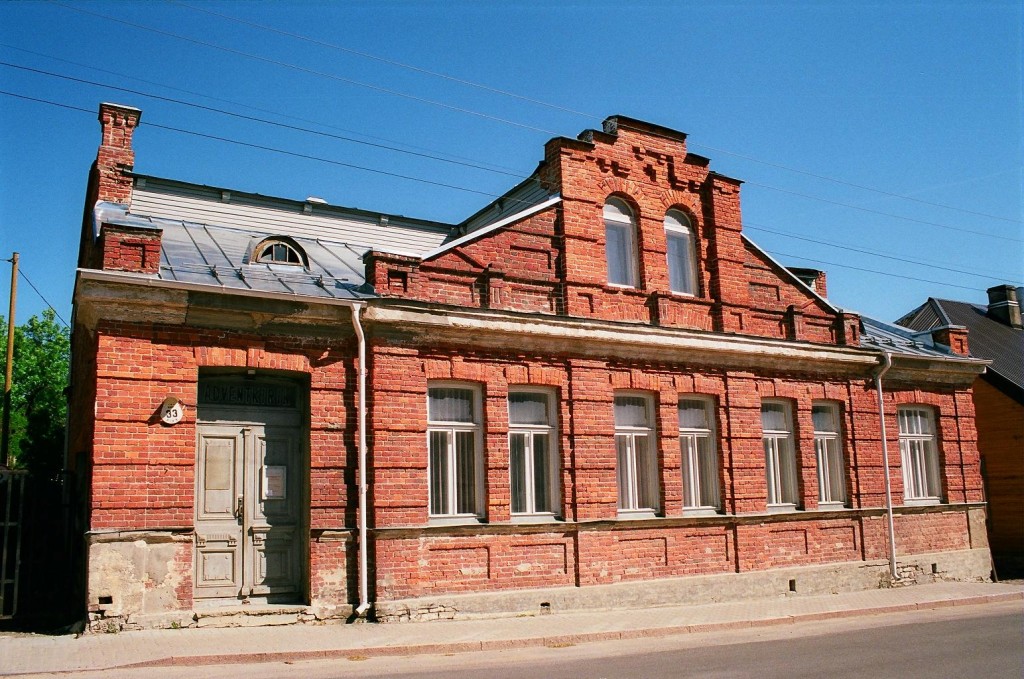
554, 261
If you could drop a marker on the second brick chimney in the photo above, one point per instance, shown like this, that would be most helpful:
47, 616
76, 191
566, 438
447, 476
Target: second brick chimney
116, 158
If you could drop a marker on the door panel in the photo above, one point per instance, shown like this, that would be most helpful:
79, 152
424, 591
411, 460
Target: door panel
248, 511
274, 531
218, 527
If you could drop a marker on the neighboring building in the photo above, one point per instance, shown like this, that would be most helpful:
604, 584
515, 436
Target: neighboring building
996, 334
595, 391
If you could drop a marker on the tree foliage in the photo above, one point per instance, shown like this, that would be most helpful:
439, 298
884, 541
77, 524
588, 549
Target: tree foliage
42, 353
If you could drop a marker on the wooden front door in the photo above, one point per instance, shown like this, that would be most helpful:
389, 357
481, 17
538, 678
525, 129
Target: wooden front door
248, 512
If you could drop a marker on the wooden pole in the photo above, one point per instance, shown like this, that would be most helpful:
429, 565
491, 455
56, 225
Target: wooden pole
5, 437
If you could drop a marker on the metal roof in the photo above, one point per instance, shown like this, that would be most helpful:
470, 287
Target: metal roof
896, 339
218, 256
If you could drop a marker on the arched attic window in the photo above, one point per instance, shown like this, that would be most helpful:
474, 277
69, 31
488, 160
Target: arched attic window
682, 260
620, 243
278, 250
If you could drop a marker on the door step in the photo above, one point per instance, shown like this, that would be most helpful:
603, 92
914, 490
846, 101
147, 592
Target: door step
251, 616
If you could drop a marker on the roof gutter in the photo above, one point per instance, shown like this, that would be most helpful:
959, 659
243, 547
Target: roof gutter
883, 369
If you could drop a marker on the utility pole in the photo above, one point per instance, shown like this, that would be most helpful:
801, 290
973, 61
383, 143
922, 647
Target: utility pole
5, 437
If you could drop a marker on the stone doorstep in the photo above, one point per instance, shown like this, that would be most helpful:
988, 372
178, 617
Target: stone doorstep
250, 616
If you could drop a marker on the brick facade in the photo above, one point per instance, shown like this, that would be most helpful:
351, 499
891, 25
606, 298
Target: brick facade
537, 311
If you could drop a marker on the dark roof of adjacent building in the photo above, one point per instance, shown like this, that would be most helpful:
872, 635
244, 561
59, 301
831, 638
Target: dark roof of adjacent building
986, 337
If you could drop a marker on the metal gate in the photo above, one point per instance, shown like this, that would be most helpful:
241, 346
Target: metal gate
12, 508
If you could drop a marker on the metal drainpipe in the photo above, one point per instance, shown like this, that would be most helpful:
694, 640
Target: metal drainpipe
887, 358
364, 597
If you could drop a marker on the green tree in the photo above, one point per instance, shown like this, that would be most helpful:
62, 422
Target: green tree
42, 353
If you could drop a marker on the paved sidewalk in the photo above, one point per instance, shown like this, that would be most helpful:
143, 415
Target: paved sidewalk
20, 654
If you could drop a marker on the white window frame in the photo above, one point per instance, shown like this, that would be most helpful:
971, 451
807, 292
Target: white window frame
781, 473
530, 432
681, 229
452, 429
626, 224
828, 451
628, 479
919, 455
701, 494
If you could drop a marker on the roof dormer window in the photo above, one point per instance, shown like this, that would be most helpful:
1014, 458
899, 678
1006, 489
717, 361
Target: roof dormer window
278, 251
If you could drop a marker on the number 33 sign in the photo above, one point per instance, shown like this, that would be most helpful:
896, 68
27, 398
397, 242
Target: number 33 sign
171, 410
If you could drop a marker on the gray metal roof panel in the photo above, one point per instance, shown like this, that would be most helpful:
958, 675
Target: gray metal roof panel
217, 256
896, 339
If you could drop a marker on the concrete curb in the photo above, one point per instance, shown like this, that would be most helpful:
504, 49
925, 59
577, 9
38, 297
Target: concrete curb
561, 639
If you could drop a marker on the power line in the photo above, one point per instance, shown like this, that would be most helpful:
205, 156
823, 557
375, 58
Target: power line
855, 185
884, 214
257, 108
880, 273
459, 188
383, 60
431, 156
750, 226
272, 149
478, 113
241, 116
309, 71
556, 107
32, 285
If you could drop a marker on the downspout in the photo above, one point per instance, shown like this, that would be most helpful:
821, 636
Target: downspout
364, 597
887, 363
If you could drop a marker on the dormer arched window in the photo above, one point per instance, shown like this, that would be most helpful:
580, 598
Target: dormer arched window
278, 251
682, 260
620, 243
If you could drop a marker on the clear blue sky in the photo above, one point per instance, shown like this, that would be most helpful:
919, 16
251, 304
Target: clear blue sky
920, 100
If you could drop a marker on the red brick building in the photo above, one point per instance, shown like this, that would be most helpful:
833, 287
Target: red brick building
997, 335
596, 391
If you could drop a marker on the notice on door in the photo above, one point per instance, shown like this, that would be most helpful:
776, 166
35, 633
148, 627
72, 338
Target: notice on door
275, 482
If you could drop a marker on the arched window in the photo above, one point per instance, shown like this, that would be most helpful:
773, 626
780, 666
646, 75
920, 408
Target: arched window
278, 251
682, 269
620, 243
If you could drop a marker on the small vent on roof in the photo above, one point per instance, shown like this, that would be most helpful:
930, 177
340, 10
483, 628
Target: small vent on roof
383, 220
316, 200
225, 196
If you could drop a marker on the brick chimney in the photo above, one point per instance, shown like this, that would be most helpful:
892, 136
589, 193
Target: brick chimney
121, 247
1004, 305
116, 157
954, 337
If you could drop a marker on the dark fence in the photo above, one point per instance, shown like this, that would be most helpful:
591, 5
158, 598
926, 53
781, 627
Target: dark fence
40, 555
12, 505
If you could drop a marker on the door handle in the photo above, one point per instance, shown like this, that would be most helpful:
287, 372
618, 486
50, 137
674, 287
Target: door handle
238, 507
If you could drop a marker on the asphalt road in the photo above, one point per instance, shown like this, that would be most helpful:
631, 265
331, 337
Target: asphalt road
986, 642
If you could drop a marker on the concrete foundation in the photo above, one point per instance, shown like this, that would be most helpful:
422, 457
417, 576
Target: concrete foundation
138, 576
973, 565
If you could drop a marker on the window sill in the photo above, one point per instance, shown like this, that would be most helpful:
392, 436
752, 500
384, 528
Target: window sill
630, 514
702, 511
921, 501
785, 508
831, 506
535, 518
620, 287
461, 520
